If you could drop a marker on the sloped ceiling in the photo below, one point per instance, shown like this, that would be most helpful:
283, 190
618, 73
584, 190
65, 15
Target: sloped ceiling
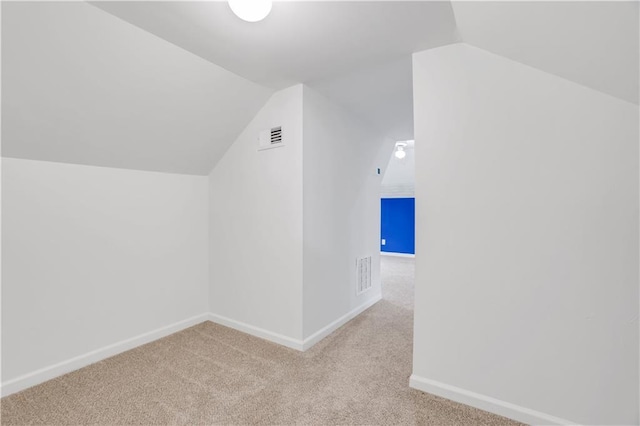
358, 54
381, 94
80, 86
168, 86
300, 41
593, 43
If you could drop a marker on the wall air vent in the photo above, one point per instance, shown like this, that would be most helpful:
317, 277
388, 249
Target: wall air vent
276, 135
271, 138
363, 274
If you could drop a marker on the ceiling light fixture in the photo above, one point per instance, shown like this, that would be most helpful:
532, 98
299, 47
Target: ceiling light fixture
400, 152
251, 10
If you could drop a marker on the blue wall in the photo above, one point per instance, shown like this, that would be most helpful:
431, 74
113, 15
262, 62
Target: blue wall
398, 225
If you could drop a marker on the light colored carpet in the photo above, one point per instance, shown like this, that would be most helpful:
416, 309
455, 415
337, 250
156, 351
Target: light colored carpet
209, 374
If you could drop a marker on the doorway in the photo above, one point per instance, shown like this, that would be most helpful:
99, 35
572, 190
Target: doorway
397, 203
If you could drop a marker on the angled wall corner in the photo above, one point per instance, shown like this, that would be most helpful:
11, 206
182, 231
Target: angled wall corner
287, 224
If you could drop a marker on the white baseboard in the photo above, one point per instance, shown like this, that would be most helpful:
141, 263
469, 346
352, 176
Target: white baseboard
290, 342
325, 331
486, 403
389, 253
257, 332
47, 373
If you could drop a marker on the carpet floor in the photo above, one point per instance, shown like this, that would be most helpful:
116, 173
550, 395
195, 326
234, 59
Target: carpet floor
210, 374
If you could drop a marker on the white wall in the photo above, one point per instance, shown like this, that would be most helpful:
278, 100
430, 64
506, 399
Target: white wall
341, 209
527, 240
256, 224
93, 256
287, 224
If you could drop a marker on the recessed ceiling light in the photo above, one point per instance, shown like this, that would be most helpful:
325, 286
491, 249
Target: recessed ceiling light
251, 10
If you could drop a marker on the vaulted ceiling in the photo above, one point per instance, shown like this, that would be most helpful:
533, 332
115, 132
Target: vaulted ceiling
299, 41
593, 43
80, 86
168, 86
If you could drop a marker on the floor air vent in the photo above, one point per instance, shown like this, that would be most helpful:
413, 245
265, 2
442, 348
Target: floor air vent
363, 274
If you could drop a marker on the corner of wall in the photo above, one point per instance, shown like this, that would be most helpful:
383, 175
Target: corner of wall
256, 215
341, 212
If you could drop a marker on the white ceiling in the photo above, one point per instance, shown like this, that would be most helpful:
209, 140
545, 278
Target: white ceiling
168, 86
357, 54
299, 41
381, 94
591, 43
80, 86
